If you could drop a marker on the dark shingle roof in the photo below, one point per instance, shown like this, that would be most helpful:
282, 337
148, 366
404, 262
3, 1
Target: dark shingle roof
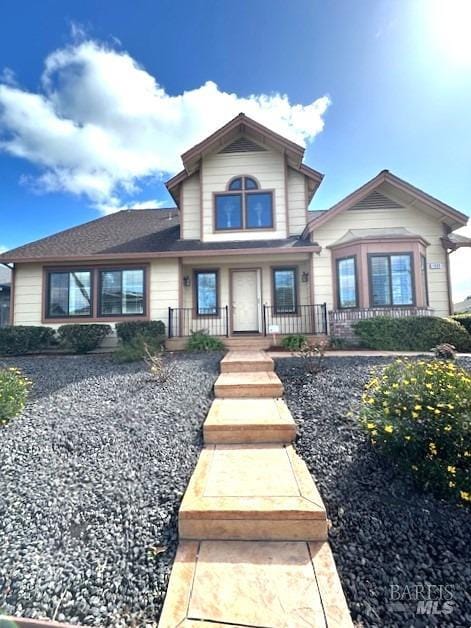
143, 231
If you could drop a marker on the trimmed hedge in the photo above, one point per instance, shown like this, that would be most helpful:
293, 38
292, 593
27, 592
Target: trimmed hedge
130, 329
463, 319
411, 333
82, 338
22, 339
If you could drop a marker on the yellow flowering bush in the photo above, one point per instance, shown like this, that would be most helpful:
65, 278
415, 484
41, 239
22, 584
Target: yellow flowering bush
14, 387
418, 413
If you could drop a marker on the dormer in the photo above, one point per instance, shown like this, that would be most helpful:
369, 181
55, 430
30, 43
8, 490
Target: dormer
243, 182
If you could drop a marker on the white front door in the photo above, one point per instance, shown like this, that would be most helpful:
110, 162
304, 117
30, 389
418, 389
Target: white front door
245, 300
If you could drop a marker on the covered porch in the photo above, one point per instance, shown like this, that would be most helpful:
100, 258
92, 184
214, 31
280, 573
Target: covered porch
258, 297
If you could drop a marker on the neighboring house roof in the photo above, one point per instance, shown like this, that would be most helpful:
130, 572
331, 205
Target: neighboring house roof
463, 306
135, 233
392, 233
242, 124
5, 276
451, 216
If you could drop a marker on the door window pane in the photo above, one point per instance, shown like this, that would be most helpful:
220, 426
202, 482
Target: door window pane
259, 210
401, 280
228, 211
284, 281
380, 281
346, 275
70, 294
206, 293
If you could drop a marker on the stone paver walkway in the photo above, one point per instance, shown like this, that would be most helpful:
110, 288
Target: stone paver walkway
253, 551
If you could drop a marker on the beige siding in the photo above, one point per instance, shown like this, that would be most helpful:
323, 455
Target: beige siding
190, 208
412, 219
164, 287
296, 202
28, 294
267, 166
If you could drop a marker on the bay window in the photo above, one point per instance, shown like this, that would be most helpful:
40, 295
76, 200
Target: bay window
285, 290
391, 279
347, 282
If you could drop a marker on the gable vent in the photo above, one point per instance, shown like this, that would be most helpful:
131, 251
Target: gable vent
242, 145
375, 200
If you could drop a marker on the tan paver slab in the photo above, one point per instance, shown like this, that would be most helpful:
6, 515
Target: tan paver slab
249, 421
250, 384
252, 361
256, 584
252, 492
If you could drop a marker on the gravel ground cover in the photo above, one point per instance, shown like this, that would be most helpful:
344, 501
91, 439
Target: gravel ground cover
91, 477
384, 531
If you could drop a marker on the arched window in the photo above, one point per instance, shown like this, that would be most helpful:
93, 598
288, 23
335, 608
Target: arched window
243, 206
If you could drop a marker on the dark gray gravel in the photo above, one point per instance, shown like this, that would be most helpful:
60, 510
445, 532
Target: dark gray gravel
384, 531
91, 477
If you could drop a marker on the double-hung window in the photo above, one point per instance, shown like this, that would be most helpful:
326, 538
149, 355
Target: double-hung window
285, 290
243, 206
69, 294
122, 292
391, 279
206, 289
347, 282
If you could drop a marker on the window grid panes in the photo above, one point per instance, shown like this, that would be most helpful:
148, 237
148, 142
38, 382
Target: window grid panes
391, 280
69, 294
243, 206
347, 286
206, 293
284, 283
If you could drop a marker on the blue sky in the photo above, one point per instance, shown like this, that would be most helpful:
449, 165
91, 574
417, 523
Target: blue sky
378, 84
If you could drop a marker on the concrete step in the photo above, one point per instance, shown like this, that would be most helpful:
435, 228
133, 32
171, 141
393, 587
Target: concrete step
243, 583
252, 385
246, 361
252, 492
249, 421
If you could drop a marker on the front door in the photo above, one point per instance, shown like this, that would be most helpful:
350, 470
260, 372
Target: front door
245, 301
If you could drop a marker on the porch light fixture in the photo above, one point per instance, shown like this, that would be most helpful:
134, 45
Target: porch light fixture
186, 281
305, 277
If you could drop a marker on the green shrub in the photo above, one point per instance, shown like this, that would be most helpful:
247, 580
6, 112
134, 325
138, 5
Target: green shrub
295, 342
202, 341
19, 339
14, 389
464, 319
418, 414
411, 333
82, 338
135, 349
130, 329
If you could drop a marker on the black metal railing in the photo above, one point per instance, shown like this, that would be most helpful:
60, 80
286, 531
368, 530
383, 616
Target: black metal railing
182, 321
307, 320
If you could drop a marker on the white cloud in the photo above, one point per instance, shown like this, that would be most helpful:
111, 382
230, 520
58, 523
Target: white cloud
460, 265
3, 248
101, 124
111, 208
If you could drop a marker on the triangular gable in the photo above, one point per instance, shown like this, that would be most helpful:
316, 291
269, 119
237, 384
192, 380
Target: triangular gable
452, 217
